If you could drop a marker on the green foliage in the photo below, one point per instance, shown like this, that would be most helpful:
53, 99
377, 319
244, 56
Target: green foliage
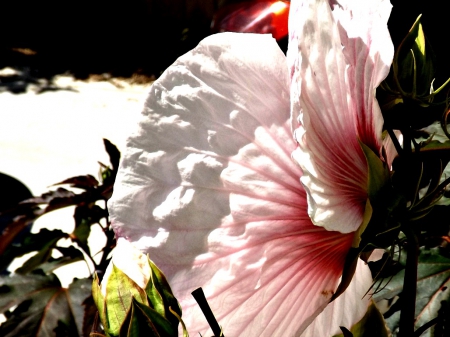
32, 298
433, 290
42, 306
126, 309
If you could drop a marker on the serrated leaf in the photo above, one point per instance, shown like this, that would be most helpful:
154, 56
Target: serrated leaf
433, 287
120, 290
42, 307
79, 291
84, 182
59, 194
17, 288
30, 243
113, 152
89, 317
53, 264
39, 309
41, 257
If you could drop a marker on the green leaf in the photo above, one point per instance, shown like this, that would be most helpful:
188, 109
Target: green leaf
41, 257
371, 325
79, 291
82, 232
120, 290
31, 243
53, 264
436, 145
114, 154
83, 182
16, 288
433, 287
42, 307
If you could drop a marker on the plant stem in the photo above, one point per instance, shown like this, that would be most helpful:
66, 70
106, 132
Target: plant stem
408, 309
206, 309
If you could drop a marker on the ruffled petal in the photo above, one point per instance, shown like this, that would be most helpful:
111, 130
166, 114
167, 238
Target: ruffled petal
347, 310
335, 67
208, 188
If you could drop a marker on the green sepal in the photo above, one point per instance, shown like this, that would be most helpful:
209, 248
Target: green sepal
120, 290
378, 172
346, 332
163, 288
99, 301
185, 332
378, 177
351, 261
154, 296
371, 325
142, 320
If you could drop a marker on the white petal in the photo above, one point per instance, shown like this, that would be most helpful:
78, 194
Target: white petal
207, 187
347, 310
130, 261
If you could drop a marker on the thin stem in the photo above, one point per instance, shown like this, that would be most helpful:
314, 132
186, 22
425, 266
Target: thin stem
395, 141
407, 315
199, 296
406, 140
425, 327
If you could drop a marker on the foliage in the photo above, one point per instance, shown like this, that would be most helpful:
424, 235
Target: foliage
31, 298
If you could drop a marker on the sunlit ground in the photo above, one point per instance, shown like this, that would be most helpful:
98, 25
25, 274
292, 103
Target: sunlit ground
46, 138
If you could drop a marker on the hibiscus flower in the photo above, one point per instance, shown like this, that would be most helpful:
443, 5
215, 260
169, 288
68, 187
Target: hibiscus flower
221, 193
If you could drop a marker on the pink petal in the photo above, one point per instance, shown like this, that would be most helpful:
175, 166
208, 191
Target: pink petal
333, 81
207, 187
347, 310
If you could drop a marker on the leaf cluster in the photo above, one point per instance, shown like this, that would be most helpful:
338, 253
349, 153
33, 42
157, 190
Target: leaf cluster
32, 299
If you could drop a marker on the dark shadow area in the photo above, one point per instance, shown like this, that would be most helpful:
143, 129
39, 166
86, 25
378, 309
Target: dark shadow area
12, 191
119, 38
435, 17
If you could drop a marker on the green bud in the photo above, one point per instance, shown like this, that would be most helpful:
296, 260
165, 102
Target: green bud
414, 63
128, 309
407, 96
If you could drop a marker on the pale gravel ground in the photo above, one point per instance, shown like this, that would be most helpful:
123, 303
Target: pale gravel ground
46, 138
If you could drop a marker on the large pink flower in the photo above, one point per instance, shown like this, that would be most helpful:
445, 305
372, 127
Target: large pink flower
209, 189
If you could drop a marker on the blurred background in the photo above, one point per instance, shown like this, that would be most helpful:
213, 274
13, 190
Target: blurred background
123, 38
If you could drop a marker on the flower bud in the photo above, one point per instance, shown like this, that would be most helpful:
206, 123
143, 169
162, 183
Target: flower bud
414, 64
134, 297
407, 98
